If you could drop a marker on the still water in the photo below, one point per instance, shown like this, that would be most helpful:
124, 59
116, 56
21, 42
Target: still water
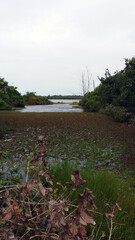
64, 100
51, 108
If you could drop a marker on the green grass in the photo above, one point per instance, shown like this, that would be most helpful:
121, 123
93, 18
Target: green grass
108, 188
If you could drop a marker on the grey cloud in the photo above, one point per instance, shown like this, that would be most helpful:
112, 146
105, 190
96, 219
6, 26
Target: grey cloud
45, 45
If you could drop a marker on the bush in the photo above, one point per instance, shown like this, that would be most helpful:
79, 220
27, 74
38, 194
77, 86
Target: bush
92, 105
30, 98
90, 102
4, 105
118, 113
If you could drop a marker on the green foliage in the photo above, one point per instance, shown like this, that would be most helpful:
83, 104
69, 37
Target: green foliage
32, 99
90, 102
4, 105
118, 113
92, 105
9, 96
117, 90
3, 88
15, 99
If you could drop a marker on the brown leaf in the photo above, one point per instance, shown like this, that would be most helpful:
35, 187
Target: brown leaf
83, 222
16, 210
8, 214
57, 219
27, 187
73, 229
42, 190
85, 198
86, 218
30, 184
77, 178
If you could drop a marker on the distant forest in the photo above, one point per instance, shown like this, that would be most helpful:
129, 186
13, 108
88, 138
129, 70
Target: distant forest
64, 97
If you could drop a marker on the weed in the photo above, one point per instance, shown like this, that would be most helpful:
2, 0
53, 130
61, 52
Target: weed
52, 205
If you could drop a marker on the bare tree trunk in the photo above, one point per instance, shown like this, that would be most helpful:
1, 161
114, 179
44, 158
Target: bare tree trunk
86, 83
88, 80
83, 84
93, 85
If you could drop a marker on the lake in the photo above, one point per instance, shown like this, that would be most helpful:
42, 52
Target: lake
66, 107
64, 100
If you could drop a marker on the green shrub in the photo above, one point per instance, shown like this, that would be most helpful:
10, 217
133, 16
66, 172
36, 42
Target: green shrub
92, 105
30, 98
90, 102
109, 110
118, 113
4, 105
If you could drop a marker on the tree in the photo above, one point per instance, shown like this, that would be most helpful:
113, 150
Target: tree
90, 102
32, 99
9, 96
117, 89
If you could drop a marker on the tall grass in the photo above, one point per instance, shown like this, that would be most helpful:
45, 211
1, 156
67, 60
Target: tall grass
108, 188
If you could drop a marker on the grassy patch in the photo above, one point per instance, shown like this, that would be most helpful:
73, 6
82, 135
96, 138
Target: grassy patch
108, 188
100, 148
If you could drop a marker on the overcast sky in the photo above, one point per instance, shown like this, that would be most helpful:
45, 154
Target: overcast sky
45, 45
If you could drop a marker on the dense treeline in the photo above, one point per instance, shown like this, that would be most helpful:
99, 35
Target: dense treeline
64, 97
116, 93
9, 96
